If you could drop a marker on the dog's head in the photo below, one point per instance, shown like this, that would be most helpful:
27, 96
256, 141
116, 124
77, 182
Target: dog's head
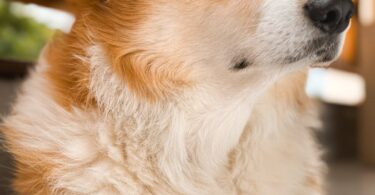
157, 45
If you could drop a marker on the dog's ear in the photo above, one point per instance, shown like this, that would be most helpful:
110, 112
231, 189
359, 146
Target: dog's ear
149, 77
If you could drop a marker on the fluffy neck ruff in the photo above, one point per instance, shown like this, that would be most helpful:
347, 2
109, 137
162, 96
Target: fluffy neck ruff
189, 138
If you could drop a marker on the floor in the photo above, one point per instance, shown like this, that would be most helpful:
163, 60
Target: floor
8, 90
345, 178
350, 178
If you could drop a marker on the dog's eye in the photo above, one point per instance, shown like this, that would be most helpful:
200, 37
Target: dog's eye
242, 64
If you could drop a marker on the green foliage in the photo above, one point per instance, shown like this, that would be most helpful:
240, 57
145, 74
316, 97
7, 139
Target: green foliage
21, 38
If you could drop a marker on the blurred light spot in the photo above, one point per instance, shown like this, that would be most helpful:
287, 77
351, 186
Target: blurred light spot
366, 12
336, 86
54, 19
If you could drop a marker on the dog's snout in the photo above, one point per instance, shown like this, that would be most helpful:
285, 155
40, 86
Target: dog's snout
330, 16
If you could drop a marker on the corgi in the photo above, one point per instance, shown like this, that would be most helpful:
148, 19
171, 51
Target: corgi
177, 97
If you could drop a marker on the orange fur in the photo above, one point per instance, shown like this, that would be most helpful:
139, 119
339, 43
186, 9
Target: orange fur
73, 6
33, 168
149, 76
137, 68
68, 72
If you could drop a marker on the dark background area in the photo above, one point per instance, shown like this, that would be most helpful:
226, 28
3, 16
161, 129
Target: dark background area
11, 76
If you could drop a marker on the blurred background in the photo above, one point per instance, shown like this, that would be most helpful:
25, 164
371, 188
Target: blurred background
346, 91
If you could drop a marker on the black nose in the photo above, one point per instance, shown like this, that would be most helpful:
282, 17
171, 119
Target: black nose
330, 16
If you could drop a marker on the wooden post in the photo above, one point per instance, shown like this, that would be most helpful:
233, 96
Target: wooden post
367, 63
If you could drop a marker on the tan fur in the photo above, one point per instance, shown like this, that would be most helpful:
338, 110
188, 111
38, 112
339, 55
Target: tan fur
141, 98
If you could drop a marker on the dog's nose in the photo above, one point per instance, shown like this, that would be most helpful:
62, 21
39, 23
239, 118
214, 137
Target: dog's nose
330, 16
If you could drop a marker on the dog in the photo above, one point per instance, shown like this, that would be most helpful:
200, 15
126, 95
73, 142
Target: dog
177, 97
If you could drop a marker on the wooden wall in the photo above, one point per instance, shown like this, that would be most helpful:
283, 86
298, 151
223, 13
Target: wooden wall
367, 63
